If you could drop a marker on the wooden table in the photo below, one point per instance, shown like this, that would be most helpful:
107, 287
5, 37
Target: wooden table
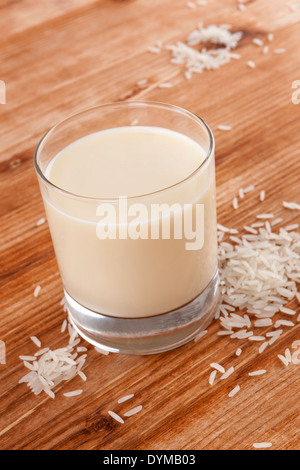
58, 57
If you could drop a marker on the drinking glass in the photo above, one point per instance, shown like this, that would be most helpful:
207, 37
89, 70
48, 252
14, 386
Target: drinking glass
133, 295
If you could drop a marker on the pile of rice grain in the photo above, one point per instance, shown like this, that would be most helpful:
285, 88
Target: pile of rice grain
197, 61
48, 367
259, 273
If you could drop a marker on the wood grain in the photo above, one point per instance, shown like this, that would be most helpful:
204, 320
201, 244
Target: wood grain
58, 57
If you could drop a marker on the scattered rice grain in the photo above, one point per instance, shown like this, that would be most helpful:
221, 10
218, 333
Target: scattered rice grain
262, 195
257, 372
37, 291
36, 341
40, 221
283, 323
227, 373
263, 347
218, 367
102, 351
127, 397
234, 391
288, 311
116, 417
258, 42
257, 338
165, 85
200, 335
64, 326
82, 375
279, 51
223, 127
291, 205
74, 393
212, 377
262, 445
135, 410
251, 64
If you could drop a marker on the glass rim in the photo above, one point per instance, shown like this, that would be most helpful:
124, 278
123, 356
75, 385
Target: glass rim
124, 104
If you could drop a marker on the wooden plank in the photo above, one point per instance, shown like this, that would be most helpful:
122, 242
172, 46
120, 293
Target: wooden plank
71, 55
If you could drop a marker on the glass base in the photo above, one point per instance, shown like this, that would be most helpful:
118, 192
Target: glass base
148, 335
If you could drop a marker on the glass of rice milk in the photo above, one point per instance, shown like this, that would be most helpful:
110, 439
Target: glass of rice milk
129, 192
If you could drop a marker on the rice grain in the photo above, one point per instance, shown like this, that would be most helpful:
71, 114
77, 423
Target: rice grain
234, 391
74, 393
36, 341
116, 417
257, 372
212, 377
227, 373
125, 398
135, 410
262, 445
37, 291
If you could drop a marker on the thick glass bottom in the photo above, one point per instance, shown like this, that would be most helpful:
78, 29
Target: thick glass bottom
148, 335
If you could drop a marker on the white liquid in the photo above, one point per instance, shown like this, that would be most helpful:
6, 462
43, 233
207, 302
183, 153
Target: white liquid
130, 278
